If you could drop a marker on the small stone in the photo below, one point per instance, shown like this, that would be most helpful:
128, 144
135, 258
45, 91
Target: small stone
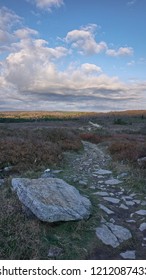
54, 251
8, 168
142, 161
122, 175
1, 182
83, 183
112, 199
130, 255
103, 172
105, 209
130, 203
101, 193
130, 221
47, 170
112, 220
123, 206
132, 194
120, 193
127, 197
143, 203
57, 171
113, 182
141, 212
142, 227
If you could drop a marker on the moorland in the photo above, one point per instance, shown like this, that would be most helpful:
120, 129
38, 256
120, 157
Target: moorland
31, 142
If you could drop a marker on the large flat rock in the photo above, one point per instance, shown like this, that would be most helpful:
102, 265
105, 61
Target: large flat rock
52, 199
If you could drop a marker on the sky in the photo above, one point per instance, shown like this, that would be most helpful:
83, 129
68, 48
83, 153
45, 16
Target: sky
72, 55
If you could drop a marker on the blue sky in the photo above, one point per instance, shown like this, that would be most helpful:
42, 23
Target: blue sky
72, 55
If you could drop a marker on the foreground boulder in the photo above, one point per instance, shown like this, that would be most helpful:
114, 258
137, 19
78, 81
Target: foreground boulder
52, 199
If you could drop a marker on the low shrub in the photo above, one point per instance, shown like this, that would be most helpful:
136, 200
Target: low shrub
31, 149
127, 150
93, 138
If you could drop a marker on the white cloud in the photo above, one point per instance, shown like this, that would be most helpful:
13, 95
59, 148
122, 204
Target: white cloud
122, 51
8, 18
48, 4
89, 68
131, 3
8, 21
84, 40
25, 32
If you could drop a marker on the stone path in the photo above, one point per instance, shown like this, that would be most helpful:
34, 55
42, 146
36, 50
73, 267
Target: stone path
123, 215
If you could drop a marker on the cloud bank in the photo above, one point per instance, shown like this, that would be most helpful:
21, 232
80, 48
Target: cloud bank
31, 76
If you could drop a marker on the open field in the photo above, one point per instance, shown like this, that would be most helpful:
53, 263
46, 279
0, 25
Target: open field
31, 142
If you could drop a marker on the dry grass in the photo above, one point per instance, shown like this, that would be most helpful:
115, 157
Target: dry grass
128, 150
92, 137
31, 149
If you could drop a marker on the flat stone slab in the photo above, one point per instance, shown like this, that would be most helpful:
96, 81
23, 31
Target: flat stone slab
102, 193
121, 232
106, 236
52, 199
142, 227
141, 212
105, 209
130, 203
103, 172
130, 255
113, 235
112, 199
113, 182
123, 206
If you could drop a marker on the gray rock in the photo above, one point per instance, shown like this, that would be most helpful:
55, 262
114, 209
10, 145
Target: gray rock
130, 221
143, 203
8, 168
113, 182
52, 199
137, 201
106, 236
103, 172
130, 203
1, 182
142, 162
112, 199
120, 232
123, 206
142, 227
101, 193
57, 171
105, 209
130, 255
141, 212
83, 183
47, 170
113, 235
128, 197
122, 175
54, 251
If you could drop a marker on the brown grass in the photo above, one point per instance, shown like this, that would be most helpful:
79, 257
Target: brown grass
91, 137
26, 149
127, 150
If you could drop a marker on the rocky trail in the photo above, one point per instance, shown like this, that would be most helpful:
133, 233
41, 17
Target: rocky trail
121, 232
